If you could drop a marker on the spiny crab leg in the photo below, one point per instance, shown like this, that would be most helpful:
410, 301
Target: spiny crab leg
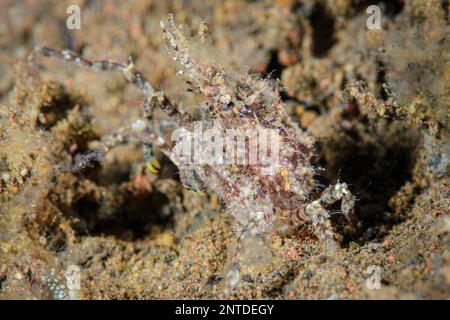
151, 100
130, 73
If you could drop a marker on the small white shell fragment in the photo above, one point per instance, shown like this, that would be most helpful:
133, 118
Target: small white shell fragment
233, 278
24, 172
6, 176
138, 125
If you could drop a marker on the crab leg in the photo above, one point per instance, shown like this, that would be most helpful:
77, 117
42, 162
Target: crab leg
151, 100
130, 73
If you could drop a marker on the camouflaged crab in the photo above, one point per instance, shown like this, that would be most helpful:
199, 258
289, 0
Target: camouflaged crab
260, 201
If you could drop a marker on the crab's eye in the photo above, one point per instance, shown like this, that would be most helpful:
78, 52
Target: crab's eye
227, 106
245, 110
